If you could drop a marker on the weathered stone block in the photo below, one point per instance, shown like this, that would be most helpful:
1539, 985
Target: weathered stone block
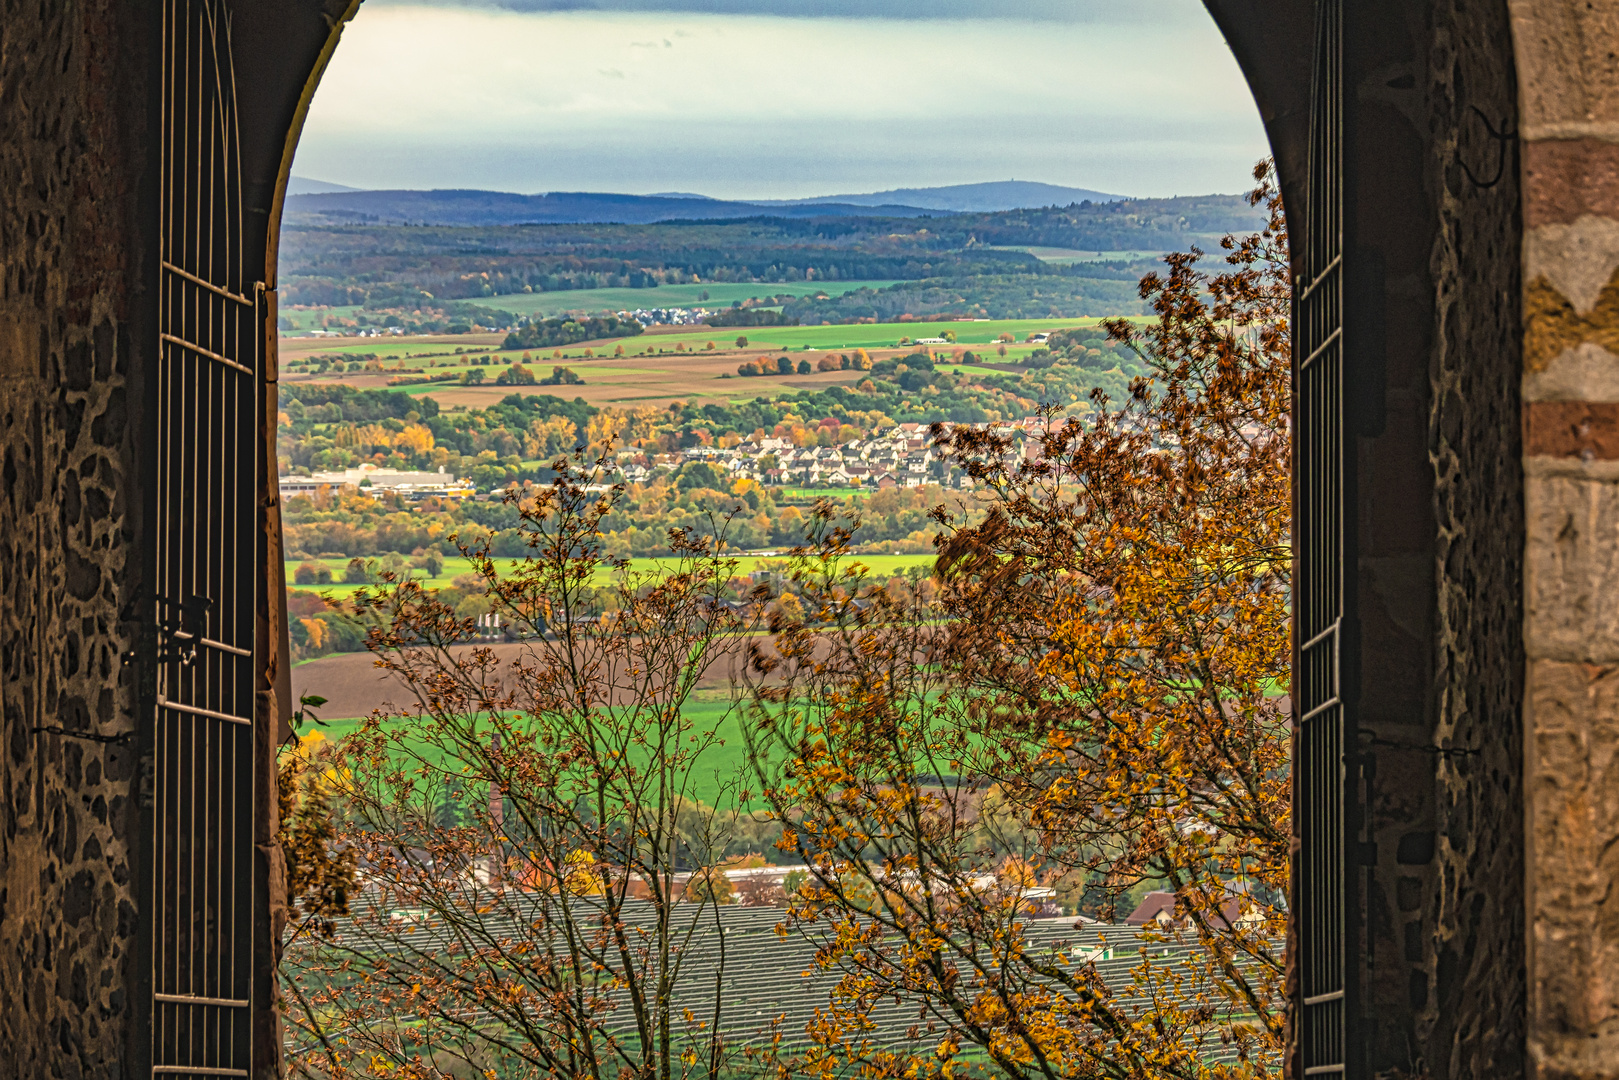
1567, 77
1572, 562
1585, 372
1572, 780
1578, 258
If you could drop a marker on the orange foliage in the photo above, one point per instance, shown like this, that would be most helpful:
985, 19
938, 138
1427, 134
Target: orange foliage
1092, 698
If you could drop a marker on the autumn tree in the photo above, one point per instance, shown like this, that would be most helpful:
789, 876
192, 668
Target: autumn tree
1090, 703
527, 820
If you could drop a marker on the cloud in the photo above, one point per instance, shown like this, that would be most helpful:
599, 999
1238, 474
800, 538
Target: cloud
760, 107
1068, 11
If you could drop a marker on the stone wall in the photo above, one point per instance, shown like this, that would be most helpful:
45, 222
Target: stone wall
1569, 123
1432, 336
72, 325
1467, 989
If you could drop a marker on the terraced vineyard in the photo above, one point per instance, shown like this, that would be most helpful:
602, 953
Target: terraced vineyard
741, 972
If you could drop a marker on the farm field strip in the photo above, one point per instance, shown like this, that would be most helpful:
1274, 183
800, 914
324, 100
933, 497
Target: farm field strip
880, 566
880, 335
765, 338
713, 780
719, 294
1063, 256
694, 373
595, 301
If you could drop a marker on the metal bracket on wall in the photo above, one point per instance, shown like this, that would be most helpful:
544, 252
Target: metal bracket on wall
1503, 139
183, 635
1422, 748
87, 736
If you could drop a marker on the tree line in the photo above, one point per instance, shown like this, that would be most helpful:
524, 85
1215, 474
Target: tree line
392, 267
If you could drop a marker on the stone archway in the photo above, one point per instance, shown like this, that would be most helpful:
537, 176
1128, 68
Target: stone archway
1485, 161
1430, 839
1482, 327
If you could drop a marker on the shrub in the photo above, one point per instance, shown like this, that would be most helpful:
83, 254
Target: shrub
516, 375
749, 317
561, 376
566, 331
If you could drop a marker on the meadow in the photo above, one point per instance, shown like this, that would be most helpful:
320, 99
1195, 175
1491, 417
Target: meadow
1067, 256
880, 566
874, 335
714, 778
807, 494
594, 301
304, 319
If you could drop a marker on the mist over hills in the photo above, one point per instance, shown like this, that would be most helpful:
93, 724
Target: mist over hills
303, 185
484, 208
315, 202
967, 198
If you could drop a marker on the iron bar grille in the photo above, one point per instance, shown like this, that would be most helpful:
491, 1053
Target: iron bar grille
208, 401
1320, 586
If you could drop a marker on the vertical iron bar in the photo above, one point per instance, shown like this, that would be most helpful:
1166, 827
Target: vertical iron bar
206, 420
1322, 518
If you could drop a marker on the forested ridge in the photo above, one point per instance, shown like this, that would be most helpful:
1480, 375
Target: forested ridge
396, 265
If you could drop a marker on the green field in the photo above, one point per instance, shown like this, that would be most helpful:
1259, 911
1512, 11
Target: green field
718, 771
713, 295
310, 319
788, 338
882, 566
817, 493
862, 335
598, 300
1067, 256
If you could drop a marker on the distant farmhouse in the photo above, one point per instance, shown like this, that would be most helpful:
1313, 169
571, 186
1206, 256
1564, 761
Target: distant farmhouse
414, 486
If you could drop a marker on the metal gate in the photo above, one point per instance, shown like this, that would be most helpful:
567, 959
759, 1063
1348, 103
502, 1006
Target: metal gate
1321, 517
207, 405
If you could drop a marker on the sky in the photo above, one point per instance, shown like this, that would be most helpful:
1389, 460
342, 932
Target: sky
782, 98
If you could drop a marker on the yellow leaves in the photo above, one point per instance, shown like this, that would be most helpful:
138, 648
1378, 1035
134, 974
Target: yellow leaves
1105, 655
416, 437
367, 438
317, 631
1016, 872
580, 875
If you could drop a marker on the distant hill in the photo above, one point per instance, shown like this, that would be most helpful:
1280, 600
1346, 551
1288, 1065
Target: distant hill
302, 185
969, 198
482, 208
315, 202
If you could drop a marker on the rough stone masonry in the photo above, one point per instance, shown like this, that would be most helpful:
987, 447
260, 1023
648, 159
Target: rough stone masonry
1568, 69
71, 342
